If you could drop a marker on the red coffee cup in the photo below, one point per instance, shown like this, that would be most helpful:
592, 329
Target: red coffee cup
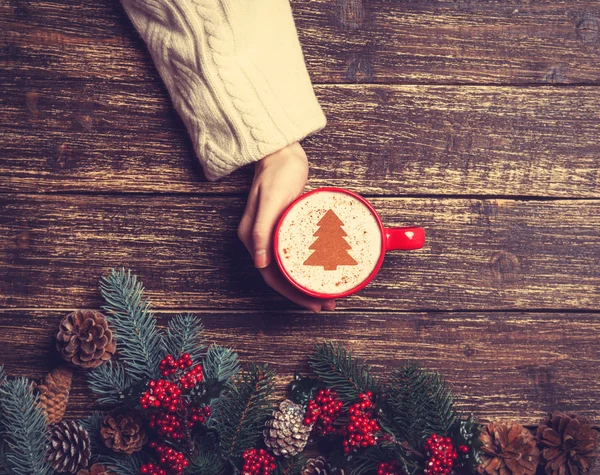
330, 242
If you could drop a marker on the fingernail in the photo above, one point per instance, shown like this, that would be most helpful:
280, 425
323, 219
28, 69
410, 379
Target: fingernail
260, 258
316, 309
329, 305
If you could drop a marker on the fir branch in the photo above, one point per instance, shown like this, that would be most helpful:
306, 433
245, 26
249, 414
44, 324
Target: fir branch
2, 375
124, 464
366, 460
291, 465
23, 429
109, 381
240, 414
93, 424
131, 317
421, 404
342, 372
220, 364
185, 334
206, 463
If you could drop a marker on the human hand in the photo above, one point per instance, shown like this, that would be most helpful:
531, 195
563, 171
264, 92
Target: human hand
279, 179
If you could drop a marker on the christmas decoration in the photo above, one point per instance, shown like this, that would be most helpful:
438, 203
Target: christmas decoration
508, 448
96, 469
323, 411
317, 466
441, 455
174, 407
331, 249
69, 447
84, 339
123, 432
54, 393
285, 434
258, 462
568, 444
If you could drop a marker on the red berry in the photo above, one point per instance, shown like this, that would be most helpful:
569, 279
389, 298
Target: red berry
442, 455
323, 410
258, 462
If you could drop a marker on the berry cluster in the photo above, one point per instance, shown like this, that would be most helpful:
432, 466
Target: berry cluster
442, 455
169, 365
323, 411
198, 415
171, 462
389, 468
168, 426
258, 462
361, 428
191, 377
161, 393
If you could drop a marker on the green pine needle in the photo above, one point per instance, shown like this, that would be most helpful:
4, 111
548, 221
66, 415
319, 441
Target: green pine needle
124, 464
240, 414
206, 463
130, 316
2, 374
421, 404
220, 364
291, 465
185, 334
93, 424
109, 381
339, 370
23, 428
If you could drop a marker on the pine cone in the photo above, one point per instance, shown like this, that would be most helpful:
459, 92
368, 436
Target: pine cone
96, 469
568, 444
508, 448
285, 434
69, 448
320, 466
54, 393
84, 339
123, 433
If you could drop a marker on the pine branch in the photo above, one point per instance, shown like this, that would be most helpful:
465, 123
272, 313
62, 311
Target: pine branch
109, 381
240, 414
23, 428
366, 461
291, 465
130, 316
124, 464
421, 404
2, 375
342, 372
92, 424
220, 364
185, 334
206, 463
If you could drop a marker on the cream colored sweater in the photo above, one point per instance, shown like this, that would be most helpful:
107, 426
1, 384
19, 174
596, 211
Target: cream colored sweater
236, 75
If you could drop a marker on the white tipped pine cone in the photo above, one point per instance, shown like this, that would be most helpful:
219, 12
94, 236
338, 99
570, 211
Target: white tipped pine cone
69, 449
285, 434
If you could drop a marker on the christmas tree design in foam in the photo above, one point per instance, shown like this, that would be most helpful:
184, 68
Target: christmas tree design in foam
331, 249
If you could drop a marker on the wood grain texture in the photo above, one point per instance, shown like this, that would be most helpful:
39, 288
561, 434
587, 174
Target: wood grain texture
380, 140
481, 254
501, 365
500, 42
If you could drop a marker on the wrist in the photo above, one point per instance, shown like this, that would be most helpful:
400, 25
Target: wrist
293, 151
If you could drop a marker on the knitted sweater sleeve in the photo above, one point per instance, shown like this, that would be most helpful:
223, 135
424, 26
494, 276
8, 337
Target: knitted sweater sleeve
236, 75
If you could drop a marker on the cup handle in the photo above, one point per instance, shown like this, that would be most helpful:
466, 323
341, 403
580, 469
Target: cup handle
405, 239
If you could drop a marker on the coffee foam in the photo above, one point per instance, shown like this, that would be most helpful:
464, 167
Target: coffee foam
296, 236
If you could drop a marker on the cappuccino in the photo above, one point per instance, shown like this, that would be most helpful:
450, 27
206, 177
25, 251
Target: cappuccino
329, 242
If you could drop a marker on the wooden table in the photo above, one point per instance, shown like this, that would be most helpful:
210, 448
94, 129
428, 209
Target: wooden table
477, 120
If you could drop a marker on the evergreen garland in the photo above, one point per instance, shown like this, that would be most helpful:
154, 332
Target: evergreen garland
421, 404
240, 414
131, 317
220, 364
23, 429
341, 371
185, 334
109, 381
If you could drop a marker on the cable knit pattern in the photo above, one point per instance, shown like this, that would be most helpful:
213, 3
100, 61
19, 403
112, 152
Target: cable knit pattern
236, 75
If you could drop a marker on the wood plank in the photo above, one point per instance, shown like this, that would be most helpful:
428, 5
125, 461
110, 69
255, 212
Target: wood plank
443, 42
481, 254
501, 365
381, 140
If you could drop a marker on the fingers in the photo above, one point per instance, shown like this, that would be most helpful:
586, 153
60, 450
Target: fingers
267, 214
277, 282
